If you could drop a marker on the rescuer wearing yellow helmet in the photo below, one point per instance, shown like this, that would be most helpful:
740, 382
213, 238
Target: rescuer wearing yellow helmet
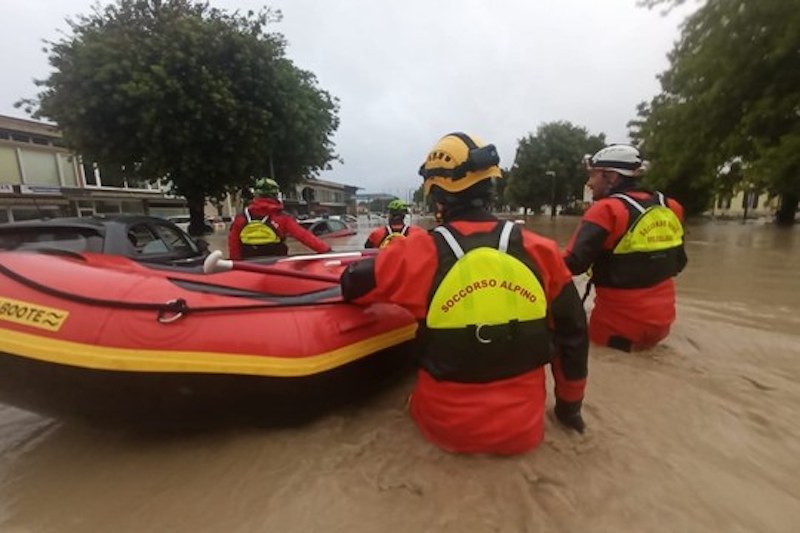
631, 240
496, 304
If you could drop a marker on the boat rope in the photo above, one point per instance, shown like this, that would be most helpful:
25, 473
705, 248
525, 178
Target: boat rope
168, 311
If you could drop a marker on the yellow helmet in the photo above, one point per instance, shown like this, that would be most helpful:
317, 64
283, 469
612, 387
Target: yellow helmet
459, 161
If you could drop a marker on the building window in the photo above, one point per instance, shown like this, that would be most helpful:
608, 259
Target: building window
9, 168
112, 176
90, 172
40, 168
134, 207
107, 208
32, 213
67, 163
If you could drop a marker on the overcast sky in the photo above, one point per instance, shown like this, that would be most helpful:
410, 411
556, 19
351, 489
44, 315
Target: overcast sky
408, 72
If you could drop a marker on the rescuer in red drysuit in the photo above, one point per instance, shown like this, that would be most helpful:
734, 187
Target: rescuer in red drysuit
395, 229
262, 228
631, 242
496, 304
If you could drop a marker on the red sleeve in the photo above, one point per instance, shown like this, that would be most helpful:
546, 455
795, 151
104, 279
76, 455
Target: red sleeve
404, 274
376, 236
676, 207
609, 214
234, 243
545, 253
567, 318
292, 228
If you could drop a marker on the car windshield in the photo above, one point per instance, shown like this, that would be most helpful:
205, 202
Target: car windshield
44, 238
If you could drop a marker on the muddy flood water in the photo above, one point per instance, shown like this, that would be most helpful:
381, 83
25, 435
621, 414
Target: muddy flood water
701, 433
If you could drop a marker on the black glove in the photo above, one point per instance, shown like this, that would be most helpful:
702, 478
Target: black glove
569, 414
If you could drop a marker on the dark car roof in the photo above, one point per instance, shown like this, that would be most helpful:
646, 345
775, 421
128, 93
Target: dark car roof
95, 222
114, 233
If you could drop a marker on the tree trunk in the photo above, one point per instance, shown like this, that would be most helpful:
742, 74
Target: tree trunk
196, 206
786, 213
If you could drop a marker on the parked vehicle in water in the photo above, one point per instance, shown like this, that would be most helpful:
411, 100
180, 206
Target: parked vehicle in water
327, 227
182, 221
139, 237
349, 219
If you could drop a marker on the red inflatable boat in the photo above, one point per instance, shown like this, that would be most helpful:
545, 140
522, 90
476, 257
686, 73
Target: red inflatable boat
79, 332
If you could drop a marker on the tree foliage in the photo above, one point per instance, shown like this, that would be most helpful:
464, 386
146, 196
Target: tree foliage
548, 168
179, 90
731, 93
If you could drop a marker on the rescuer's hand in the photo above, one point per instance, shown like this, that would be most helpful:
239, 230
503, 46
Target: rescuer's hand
569, 414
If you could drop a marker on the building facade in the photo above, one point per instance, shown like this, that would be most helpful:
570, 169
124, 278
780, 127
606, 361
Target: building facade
314, 197
40, 177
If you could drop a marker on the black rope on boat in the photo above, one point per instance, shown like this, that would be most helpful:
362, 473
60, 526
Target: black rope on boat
167, 311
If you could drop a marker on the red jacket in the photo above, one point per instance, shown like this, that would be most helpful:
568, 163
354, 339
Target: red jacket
378, 234
504, 416
285, 225
634, 313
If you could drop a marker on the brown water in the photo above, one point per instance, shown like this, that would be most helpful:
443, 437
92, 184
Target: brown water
698, 434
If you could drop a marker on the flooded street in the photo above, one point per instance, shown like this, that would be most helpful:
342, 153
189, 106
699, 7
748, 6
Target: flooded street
699, 434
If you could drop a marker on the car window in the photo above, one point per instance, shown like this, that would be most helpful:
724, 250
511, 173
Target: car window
145, 241
320, 228
174, 239
336, 225
33, 238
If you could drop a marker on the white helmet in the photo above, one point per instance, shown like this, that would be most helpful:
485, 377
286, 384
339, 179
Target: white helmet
621, 158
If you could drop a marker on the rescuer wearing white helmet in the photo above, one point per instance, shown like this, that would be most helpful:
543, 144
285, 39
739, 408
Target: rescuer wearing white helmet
631, 242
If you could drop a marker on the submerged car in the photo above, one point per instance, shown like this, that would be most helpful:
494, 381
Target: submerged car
183, 221
327, 227
139, 237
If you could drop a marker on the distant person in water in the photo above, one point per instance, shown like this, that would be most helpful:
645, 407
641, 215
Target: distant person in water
496, 304
631, 242
262, 228
396, 227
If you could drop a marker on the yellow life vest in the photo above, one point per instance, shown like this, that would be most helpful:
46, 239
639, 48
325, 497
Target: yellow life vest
649, 252
655, 228
258, 232
392, 235
487, 317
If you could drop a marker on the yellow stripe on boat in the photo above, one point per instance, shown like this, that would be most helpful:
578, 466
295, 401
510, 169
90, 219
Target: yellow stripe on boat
139, 360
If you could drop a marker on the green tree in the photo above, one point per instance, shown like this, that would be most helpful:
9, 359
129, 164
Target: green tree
177, 90
731, 93
548, 167
500, 186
